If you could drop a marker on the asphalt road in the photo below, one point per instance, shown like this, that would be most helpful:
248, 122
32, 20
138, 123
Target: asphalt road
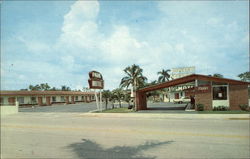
130, 136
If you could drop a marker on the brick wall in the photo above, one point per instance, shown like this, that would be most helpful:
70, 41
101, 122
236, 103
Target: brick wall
204, 98
238, 94
141, 101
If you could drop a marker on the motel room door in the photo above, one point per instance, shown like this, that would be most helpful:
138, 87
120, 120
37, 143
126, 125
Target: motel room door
12, 100
40, 100
176, 96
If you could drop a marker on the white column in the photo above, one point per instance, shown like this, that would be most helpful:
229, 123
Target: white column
196, 83
97, 101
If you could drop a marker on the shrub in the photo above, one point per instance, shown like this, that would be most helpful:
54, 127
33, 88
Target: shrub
243, 106
221, 108
130, 106
200, 107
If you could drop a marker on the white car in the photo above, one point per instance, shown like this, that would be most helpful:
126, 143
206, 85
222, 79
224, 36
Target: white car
182, 100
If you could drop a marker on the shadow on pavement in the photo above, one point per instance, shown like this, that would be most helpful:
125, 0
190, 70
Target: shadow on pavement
88, 149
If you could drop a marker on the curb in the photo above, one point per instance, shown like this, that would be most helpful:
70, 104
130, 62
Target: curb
169, 116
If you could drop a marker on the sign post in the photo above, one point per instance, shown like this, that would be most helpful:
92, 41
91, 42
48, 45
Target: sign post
96, 99
96, 82
101, 99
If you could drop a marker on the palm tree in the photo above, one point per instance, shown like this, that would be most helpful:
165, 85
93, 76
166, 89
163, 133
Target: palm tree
106, 94
134, 78
163, 77
118, 94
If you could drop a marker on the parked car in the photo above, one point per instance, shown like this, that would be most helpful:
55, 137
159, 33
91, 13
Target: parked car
182, 100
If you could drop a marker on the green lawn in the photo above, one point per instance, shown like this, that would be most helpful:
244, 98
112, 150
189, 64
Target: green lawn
118, 110
223, 112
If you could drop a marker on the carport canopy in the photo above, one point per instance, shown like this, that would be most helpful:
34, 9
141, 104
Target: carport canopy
141, 99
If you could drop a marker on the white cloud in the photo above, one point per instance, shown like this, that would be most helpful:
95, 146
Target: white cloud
121, 46
79, 27
181, 37
34, 46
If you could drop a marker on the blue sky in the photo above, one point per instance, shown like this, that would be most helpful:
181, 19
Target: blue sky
59, 42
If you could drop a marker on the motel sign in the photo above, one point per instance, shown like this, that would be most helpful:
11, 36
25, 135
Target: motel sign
95, 80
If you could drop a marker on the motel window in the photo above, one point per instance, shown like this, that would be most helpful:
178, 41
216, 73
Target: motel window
53, 99
33, 100
93, 97
62, 99
76, 98
20, 100
220, 93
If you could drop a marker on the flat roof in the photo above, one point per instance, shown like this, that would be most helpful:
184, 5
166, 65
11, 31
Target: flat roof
37, 93
191, 78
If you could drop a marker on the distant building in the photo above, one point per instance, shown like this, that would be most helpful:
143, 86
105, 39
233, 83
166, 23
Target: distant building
43, 98
181, 72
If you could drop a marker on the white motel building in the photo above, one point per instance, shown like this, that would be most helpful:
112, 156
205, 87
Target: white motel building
44, 98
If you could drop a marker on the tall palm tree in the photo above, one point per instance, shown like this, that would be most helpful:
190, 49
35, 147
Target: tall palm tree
134, 78
163, 77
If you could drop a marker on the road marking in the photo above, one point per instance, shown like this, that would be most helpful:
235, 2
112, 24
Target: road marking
126, 131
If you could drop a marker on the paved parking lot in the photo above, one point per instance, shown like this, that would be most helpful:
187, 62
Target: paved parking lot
79, 107
86, 107
70, 108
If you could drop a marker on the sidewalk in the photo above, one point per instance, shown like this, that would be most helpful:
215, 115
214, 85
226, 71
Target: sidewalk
169, 116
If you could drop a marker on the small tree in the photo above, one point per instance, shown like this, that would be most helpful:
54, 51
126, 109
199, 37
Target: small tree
118, 94
127, 97
218, 75
106, 94
245, 76
37, 87
65, 88
112, 99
